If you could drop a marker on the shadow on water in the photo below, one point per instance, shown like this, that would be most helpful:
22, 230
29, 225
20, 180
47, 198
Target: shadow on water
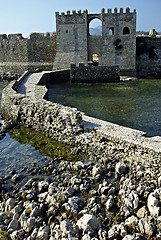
134, 104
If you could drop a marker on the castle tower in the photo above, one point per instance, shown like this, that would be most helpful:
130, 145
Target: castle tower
116, 46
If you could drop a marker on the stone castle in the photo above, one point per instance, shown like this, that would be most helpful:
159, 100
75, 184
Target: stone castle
116, 46
72, 44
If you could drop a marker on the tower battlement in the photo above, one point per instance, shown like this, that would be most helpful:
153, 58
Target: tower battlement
116, 45
85, 11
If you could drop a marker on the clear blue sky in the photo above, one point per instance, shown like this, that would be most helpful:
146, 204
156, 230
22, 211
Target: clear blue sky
26, 16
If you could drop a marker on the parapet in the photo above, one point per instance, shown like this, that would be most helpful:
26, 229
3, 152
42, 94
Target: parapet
109, 10
41, 35
74, 12
85, 11
11, 36
3, 36
15, 36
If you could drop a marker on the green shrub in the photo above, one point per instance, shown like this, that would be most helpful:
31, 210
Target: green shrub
117, 42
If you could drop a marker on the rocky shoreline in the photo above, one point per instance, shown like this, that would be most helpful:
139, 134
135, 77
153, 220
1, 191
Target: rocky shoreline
115, 194
112, 196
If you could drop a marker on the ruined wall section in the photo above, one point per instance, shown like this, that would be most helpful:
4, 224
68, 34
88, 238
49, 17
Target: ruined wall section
71, 38
18, 54
148, 57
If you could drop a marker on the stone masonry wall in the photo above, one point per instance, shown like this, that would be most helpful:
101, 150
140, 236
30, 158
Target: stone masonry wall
94, 74
148, 57
53, 120
18, 54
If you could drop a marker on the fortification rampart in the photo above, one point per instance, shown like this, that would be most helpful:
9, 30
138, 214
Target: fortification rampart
18, 54
52, 119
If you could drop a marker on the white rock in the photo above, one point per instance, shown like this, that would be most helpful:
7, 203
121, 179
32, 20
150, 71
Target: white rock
66, 226
109, 204
51, 188
14, 235
117, 229
131, 220
128, 184
88, 222
148, 229
27, 224
129, 237
10, 203
43, 186
42, 196
96, 170
43, 233
120, 168
141, 226
112, 233
132, 200
86, 237
153, 204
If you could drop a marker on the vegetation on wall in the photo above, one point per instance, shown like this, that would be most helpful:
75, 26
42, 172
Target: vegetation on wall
117, 44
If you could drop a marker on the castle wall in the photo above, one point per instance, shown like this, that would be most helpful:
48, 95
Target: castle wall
94, 74
114, 52
148, 57
71, 39
18, 54
75, 45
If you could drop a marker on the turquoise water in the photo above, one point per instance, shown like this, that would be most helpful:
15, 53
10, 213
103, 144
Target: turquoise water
135, 104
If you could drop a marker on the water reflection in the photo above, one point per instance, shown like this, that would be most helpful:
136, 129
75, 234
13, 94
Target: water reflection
133, 104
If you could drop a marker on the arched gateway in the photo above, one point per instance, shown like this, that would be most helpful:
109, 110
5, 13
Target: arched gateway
116, 45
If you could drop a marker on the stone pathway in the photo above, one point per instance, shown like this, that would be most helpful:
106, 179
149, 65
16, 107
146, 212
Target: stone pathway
29, 83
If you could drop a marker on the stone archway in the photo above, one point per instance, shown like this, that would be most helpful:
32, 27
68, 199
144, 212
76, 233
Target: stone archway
95, 27
95, 40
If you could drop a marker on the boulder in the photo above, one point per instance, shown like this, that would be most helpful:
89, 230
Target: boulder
153, 204
88, 223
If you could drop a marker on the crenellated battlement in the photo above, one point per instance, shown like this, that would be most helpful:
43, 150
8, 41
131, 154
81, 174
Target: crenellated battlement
19, 36
41, 35
11, 36
103, 11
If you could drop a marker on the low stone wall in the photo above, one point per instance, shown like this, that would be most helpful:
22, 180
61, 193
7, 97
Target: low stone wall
53, 120
94, 74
